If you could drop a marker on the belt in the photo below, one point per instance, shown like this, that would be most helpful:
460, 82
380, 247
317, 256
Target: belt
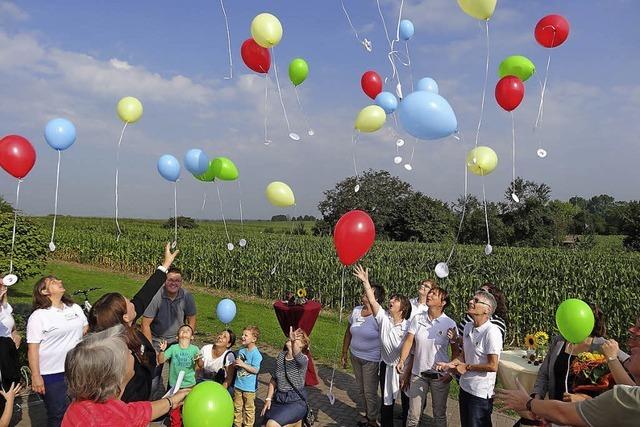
430, 375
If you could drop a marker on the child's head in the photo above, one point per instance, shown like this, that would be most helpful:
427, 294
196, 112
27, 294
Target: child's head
185, 332
250, 335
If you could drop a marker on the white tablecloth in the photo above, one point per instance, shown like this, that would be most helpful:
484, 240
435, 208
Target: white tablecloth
512, 365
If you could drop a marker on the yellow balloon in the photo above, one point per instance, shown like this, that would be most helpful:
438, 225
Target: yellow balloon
129, 109
370, 118
482, 160
479, 9
280, 194
266, 30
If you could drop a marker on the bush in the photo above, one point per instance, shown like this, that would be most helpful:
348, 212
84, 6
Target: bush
183, 222
30, 251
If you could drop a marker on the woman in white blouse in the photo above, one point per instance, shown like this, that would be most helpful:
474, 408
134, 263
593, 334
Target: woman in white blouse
217, 359
393, 326
55, 327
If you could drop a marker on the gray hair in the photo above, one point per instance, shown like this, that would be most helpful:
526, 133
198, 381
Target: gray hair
490, 299
95, 369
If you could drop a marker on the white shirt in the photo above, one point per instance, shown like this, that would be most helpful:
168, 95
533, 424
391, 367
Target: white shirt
365, 336
57, 330
6, 320
430, 340
391, 338
478, 343
417, 308
211, 365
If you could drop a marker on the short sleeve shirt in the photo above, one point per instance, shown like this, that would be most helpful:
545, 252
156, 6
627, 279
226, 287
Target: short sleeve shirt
365, 336
478, 344
182, 359
431, 343
6, 320
416, 308
391, 337
168, 315
211, 365
114, 412
618, 407
245, 380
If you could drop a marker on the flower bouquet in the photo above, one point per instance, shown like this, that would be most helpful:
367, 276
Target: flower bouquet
536, 345
592, 375
297, 298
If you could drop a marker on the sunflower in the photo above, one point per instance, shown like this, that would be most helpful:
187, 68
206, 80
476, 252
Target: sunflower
541, 338
530, 341
301, 293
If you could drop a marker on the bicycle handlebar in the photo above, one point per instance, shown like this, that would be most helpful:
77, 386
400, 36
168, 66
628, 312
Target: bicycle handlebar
85, 291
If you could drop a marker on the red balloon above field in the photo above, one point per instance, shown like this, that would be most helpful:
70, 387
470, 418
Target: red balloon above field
552, 30
509, 92
353, 236
255, 56
17, 155
371, 83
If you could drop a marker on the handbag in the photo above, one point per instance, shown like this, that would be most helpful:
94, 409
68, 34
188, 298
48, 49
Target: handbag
309, 417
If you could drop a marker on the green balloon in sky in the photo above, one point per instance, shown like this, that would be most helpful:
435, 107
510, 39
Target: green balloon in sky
209, 175
298, 71
517, 65
224, 169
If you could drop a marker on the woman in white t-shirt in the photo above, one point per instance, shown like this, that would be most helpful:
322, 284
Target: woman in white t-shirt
55, 327
217, 359
9, 343
362, 342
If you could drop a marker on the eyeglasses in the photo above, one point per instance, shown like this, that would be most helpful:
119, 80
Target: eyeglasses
477, 301
425, 286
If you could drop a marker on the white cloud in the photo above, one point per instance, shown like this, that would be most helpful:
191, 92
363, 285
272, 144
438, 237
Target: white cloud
9, 11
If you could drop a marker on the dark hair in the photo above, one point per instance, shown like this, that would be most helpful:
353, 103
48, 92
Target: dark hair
43, 301
378, 293
232, 338
501, 300
599, 325
405, 305
444, 296
175, 270
187, 325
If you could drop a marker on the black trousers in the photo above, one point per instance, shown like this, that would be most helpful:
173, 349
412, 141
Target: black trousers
386, 411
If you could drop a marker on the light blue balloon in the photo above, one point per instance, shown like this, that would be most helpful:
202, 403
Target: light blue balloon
406, 29
387, 101
226, 310
169, 167
427, 115
196, 161
427, 84
60, 134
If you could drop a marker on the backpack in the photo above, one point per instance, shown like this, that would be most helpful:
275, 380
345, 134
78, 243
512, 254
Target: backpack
221, 374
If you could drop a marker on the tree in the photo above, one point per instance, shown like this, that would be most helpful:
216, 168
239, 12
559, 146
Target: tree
474, 226
5, 207
423, 219
30, 248
631, 225
280, 218
183, 222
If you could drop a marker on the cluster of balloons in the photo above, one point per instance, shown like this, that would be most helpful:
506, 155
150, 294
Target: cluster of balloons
280, 194
199, 165
353, 236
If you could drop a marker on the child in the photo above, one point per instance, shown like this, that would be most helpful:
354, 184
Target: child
247, 366
184, 356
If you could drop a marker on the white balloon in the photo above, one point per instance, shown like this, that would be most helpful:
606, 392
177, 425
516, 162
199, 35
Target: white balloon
488, 249
442, 270
230, 246
242, 243
9, 280
52, 246
542, 153
397, 160
408, 167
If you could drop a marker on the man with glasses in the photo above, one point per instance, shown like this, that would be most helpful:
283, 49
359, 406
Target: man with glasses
482, 344
170, 308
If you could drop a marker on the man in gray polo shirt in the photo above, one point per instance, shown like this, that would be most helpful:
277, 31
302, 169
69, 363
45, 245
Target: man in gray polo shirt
169, 309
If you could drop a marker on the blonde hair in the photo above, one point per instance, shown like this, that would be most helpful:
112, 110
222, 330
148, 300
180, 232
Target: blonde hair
254, 331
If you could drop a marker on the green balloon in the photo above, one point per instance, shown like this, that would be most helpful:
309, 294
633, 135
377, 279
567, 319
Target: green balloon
517, 65
209, 175
224, 169
575, 320
298, 71
208, 404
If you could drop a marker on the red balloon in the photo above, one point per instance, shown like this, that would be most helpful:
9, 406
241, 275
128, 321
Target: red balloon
371, 84
17, 155
509, 92
552, 30
353, 236
255, 56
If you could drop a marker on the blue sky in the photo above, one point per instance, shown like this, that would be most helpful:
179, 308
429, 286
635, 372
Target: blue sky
75, 59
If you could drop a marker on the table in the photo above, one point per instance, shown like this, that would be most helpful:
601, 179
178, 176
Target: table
303, 317
512, 366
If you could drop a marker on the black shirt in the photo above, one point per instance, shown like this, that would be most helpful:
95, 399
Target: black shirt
560, 372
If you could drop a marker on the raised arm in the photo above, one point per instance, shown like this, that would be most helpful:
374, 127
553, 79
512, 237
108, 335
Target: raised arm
363, 275
611, 349
144, 296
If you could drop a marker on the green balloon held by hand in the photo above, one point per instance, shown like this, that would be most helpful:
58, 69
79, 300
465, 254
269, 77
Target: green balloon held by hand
298, 71
223, 168
208, 404
575, 320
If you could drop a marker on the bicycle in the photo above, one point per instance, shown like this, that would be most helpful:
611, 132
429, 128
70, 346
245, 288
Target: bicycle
86, 305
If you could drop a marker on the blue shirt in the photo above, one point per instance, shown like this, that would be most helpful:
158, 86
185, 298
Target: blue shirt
246, 381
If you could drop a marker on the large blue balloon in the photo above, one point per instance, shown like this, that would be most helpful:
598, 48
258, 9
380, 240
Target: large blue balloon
169, 167
427, 84
427, 115
387, 101
226, 310
406, 29
60, 134
196, 161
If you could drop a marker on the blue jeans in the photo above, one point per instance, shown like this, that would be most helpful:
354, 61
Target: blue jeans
475, 411
55, 398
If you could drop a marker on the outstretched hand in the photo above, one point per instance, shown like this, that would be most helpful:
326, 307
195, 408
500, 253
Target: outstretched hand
361, 273
10, 394
169, 256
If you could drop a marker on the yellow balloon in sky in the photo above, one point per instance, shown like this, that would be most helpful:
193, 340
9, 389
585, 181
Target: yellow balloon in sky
482, 160
129, 109
479, 9
280, 194
370, 119
266, 30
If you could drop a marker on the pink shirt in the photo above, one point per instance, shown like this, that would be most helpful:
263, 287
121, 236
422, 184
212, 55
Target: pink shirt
113, 412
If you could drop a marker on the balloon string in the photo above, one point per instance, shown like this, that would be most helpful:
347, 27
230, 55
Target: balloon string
486, 217
304, 115
409, 65
240, 203
204, 200
15, 219
413, 149
364, 42
222, 213
266, 106
55, 203
333, 372
395, 131
287, 240
354, 140
226, 23
175, 213
464, 210
513, 150
275, 69
486, 78
566, 377
117, 165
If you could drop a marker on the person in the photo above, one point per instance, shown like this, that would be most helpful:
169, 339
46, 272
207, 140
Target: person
114, 309
286, 401
618, 407
184, 357
478, 364
97, 371
419, 303
9, 397
499, 317
362, 342
393, 328
247, 366
171, 307
427, 336
55, 327
217, 362
9, 343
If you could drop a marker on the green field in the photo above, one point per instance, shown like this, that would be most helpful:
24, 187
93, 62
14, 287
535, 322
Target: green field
534, 280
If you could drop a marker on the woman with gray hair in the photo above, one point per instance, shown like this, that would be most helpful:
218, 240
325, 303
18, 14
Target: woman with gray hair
97, 371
